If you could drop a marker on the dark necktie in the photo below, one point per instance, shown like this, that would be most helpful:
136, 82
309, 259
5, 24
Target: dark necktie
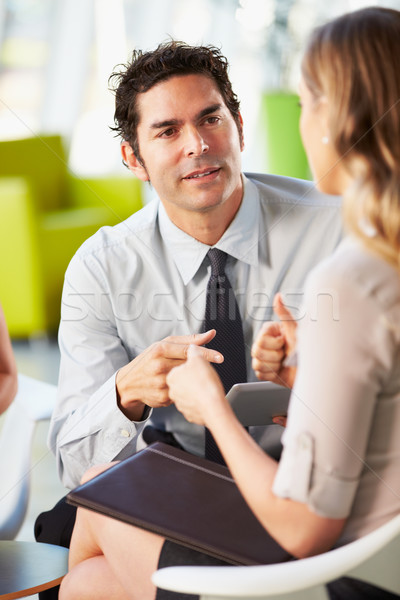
222, 314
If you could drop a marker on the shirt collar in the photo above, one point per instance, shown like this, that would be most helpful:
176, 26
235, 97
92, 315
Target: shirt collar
240, 240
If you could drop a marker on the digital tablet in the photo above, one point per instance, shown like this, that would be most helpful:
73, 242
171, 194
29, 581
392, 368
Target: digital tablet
257, 403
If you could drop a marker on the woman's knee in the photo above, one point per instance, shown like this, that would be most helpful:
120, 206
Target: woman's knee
69, 590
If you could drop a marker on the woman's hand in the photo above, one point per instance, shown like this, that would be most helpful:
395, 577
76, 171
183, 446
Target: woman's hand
195, 388
274, 343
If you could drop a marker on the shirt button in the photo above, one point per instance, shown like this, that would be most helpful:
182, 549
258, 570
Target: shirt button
125, 433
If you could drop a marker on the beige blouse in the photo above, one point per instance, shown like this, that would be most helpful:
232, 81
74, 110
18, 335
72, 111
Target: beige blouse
342, 441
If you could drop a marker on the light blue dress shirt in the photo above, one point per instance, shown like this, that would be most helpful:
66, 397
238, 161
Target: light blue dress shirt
131, 285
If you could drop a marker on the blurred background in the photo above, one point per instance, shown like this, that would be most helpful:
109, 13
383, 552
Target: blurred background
56, 57
61, 176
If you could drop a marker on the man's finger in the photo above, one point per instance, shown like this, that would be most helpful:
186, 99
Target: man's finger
271, 376
267, 355
265, 368
172, 350
270, 328
280, 421
194, 351
199, 339
211, 355
267, 343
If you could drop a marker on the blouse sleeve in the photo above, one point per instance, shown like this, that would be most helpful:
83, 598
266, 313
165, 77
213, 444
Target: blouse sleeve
344, 353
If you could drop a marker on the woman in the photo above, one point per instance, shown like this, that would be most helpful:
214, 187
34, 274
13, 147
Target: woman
338, 475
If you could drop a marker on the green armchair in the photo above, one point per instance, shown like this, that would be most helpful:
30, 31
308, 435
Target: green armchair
45, 215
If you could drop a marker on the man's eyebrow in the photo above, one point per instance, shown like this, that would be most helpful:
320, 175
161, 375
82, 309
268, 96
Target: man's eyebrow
210, 109
166, 123
174, 122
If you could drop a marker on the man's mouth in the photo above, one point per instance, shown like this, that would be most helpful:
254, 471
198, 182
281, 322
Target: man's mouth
201, 174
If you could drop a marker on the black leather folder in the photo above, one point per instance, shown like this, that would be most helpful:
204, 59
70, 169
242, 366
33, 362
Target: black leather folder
184, 498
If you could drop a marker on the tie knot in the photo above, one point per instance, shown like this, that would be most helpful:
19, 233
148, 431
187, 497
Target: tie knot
218, 261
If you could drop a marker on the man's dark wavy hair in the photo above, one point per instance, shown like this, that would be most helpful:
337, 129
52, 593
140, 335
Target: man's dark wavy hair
146, 69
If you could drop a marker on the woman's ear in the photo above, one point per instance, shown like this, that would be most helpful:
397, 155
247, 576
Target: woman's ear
323, 116
132, 162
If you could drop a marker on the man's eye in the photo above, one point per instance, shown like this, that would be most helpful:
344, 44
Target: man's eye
212, 120
168, 132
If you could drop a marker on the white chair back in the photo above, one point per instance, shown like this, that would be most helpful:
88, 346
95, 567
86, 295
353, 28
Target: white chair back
34, 402
373, 558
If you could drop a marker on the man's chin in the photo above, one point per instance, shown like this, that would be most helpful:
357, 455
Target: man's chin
204, 205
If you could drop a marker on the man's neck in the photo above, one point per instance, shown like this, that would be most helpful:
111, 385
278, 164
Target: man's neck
207, 230
206, 226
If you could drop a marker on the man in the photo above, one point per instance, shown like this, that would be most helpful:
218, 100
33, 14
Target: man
135, 294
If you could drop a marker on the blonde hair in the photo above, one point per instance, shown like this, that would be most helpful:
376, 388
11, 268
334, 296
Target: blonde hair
354, 61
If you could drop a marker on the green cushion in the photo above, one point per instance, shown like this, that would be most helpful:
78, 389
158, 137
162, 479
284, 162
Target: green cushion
42, 161
119, 196
280, 117
21, 289
46, 214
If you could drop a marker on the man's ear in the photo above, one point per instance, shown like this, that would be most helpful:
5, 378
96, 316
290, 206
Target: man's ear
241, 136
133, 163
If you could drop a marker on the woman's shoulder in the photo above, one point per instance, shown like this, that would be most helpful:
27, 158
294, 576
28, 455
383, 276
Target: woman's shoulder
356, 272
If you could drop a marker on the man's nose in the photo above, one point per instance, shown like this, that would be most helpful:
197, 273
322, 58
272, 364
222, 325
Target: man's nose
195, 144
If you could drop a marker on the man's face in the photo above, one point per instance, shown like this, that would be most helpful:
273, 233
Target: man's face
190, 146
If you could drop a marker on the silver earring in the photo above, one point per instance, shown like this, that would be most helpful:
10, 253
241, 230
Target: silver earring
325, 139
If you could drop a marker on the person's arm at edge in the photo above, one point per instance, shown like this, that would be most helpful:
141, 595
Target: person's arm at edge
8, 367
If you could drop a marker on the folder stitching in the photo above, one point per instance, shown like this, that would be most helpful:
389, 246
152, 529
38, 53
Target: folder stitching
189, 464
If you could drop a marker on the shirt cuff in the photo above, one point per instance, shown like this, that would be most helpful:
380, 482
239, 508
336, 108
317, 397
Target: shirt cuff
145, 416
299, 479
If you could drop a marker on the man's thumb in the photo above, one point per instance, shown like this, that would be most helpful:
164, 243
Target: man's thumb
281, 311
288, 323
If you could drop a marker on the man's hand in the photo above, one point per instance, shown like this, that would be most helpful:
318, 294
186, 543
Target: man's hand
144, 380
275, 341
